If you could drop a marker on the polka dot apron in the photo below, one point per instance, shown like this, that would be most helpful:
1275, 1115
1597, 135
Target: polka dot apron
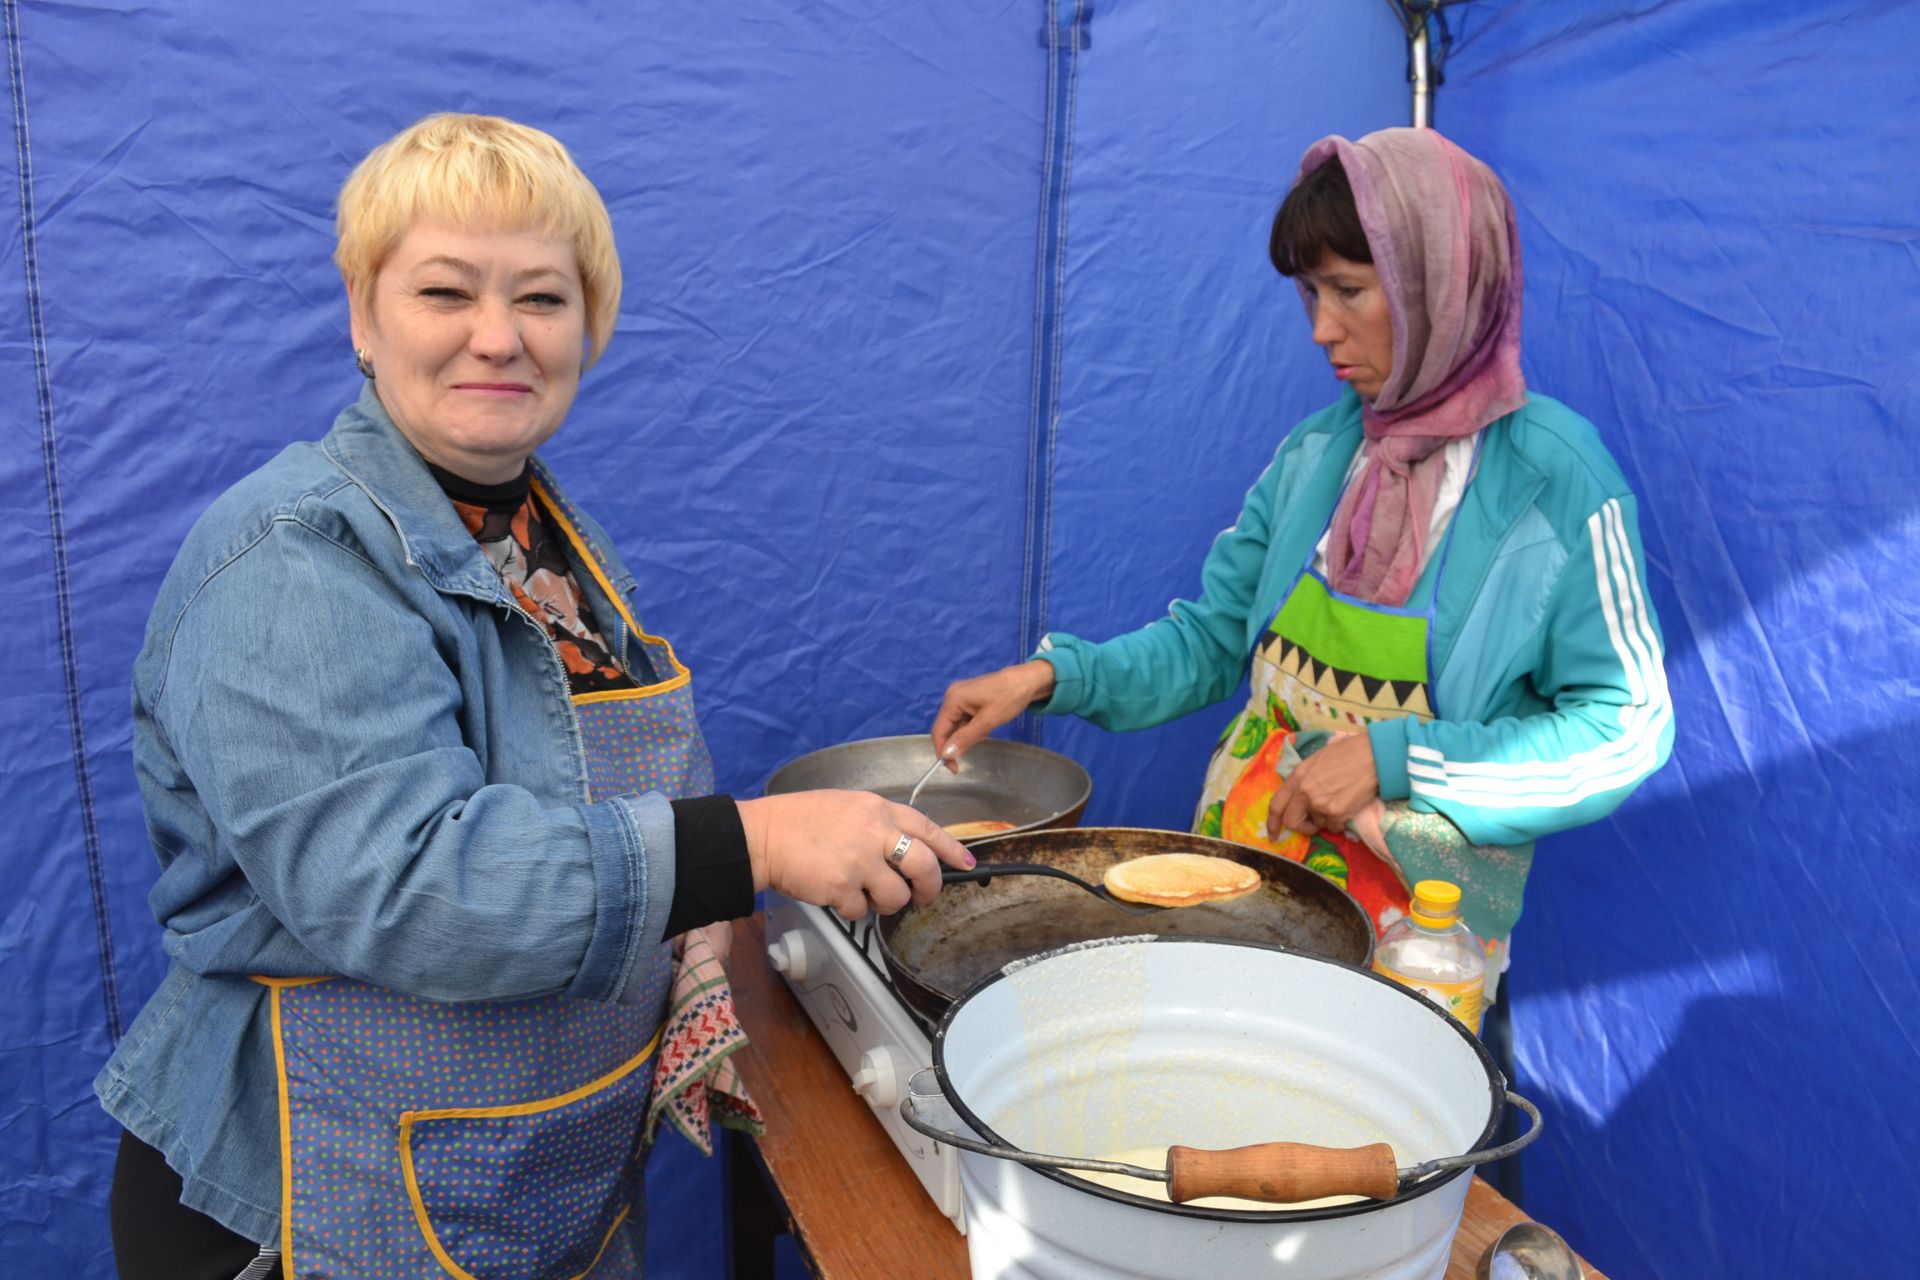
483, 1140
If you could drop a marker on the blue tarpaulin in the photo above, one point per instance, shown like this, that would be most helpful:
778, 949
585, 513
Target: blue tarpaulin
947, 324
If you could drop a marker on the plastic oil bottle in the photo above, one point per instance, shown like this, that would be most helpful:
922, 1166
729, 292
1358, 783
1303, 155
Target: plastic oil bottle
1433, 952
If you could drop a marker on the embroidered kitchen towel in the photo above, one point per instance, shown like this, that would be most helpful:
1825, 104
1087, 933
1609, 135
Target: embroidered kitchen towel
695, 1081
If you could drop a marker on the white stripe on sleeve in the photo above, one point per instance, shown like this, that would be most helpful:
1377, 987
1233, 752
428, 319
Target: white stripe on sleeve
1617, 762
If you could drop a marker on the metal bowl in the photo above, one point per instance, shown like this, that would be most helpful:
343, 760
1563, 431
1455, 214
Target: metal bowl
1031, 787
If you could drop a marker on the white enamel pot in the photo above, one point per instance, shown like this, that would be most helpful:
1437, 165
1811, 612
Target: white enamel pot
1132, 1045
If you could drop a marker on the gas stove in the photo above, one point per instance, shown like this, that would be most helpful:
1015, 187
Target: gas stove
835, 970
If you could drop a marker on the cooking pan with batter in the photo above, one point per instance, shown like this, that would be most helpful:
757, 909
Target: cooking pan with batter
935, 954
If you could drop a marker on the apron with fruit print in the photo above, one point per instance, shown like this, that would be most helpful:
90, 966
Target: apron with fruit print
1332, 662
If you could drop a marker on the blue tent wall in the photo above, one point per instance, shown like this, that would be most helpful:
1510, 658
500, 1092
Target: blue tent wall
1185, 356
1722, 228
812, 438
825, 214
54, 1026
1715, 991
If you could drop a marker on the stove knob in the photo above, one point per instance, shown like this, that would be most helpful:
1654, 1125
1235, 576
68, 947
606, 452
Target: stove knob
789, 956
878, 1079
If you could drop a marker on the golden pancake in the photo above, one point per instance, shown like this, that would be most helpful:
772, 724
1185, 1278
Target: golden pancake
974, 830
1180, 879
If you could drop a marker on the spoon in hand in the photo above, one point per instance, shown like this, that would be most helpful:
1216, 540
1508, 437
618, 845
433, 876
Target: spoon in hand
913, 797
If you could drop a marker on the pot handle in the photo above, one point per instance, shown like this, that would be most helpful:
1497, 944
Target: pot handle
1422, 1171
1282, 1172
1279, 1173
927, 1110
1288, 1172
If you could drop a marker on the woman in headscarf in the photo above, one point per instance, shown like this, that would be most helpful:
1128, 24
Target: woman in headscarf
1435, 589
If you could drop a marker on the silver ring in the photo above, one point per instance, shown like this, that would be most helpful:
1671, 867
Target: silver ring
899, 854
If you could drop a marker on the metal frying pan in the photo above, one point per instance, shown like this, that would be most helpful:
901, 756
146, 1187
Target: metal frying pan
935, 954
1028, 786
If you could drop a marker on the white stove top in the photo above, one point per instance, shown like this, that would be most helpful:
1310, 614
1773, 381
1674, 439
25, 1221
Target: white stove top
877, 1042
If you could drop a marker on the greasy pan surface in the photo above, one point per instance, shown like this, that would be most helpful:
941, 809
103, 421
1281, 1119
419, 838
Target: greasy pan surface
971, 930
1028, 786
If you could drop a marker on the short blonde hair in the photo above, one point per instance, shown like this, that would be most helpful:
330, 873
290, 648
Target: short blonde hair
479, 172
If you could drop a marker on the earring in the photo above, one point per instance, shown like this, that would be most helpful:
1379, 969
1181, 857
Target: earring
363, 364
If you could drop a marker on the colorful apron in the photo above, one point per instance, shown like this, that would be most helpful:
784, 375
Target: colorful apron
495, 1139
1331, 662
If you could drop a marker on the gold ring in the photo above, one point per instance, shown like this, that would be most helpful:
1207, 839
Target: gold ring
899, 854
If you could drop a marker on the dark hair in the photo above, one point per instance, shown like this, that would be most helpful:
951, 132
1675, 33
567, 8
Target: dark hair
1318, 215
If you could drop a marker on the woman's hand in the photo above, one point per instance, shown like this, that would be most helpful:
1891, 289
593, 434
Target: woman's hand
1326, 789
832, 848
974, 708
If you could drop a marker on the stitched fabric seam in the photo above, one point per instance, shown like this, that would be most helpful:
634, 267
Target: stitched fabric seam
1034, 406
1049, 333
50, 463
1059, 316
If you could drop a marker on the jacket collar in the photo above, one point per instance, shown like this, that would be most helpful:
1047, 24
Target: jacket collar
1505, 484
365, 444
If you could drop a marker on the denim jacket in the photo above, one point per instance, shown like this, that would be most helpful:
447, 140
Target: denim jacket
357, 759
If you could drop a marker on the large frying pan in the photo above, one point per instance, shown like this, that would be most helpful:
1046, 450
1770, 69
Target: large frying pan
935, 954
1028, 786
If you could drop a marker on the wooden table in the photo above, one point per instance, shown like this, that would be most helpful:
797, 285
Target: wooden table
843, 1192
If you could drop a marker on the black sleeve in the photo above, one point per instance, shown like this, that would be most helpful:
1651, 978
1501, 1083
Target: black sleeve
713, 877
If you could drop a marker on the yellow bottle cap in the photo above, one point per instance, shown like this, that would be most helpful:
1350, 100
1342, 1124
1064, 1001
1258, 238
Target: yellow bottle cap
1436, 903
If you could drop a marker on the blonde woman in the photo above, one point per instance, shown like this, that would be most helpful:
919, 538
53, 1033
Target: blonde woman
429, 800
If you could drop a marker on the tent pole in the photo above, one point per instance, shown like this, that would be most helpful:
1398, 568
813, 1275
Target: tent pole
1420, 72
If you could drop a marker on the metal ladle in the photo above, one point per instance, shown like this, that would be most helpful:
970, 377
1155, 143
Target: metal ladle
1270, 1172
1529, 1251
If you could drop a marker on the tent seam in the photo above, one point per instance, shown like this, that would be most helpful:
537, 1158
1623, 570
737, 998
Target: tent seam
1082, 13
1049, 325
1039, 341
50, 464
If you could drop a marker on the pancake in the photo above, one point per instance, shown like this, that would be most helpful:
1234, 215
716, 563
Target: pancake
974, 830
1180, 879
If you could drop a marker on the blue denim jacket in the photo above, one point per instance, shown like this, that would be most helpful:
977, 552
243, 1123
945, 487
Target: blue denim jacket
357, 759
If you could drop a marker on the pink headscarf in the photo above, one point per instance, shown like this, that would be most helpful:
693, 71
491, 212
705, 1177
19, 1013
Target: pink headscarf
1444, 240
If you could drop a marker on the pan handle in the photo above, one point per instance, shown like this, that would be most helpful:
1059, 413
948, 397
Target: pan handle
992, 870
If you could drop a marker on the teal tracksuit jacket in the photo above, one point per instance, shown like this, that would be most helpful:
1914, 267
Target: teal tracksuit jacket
1547, 670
